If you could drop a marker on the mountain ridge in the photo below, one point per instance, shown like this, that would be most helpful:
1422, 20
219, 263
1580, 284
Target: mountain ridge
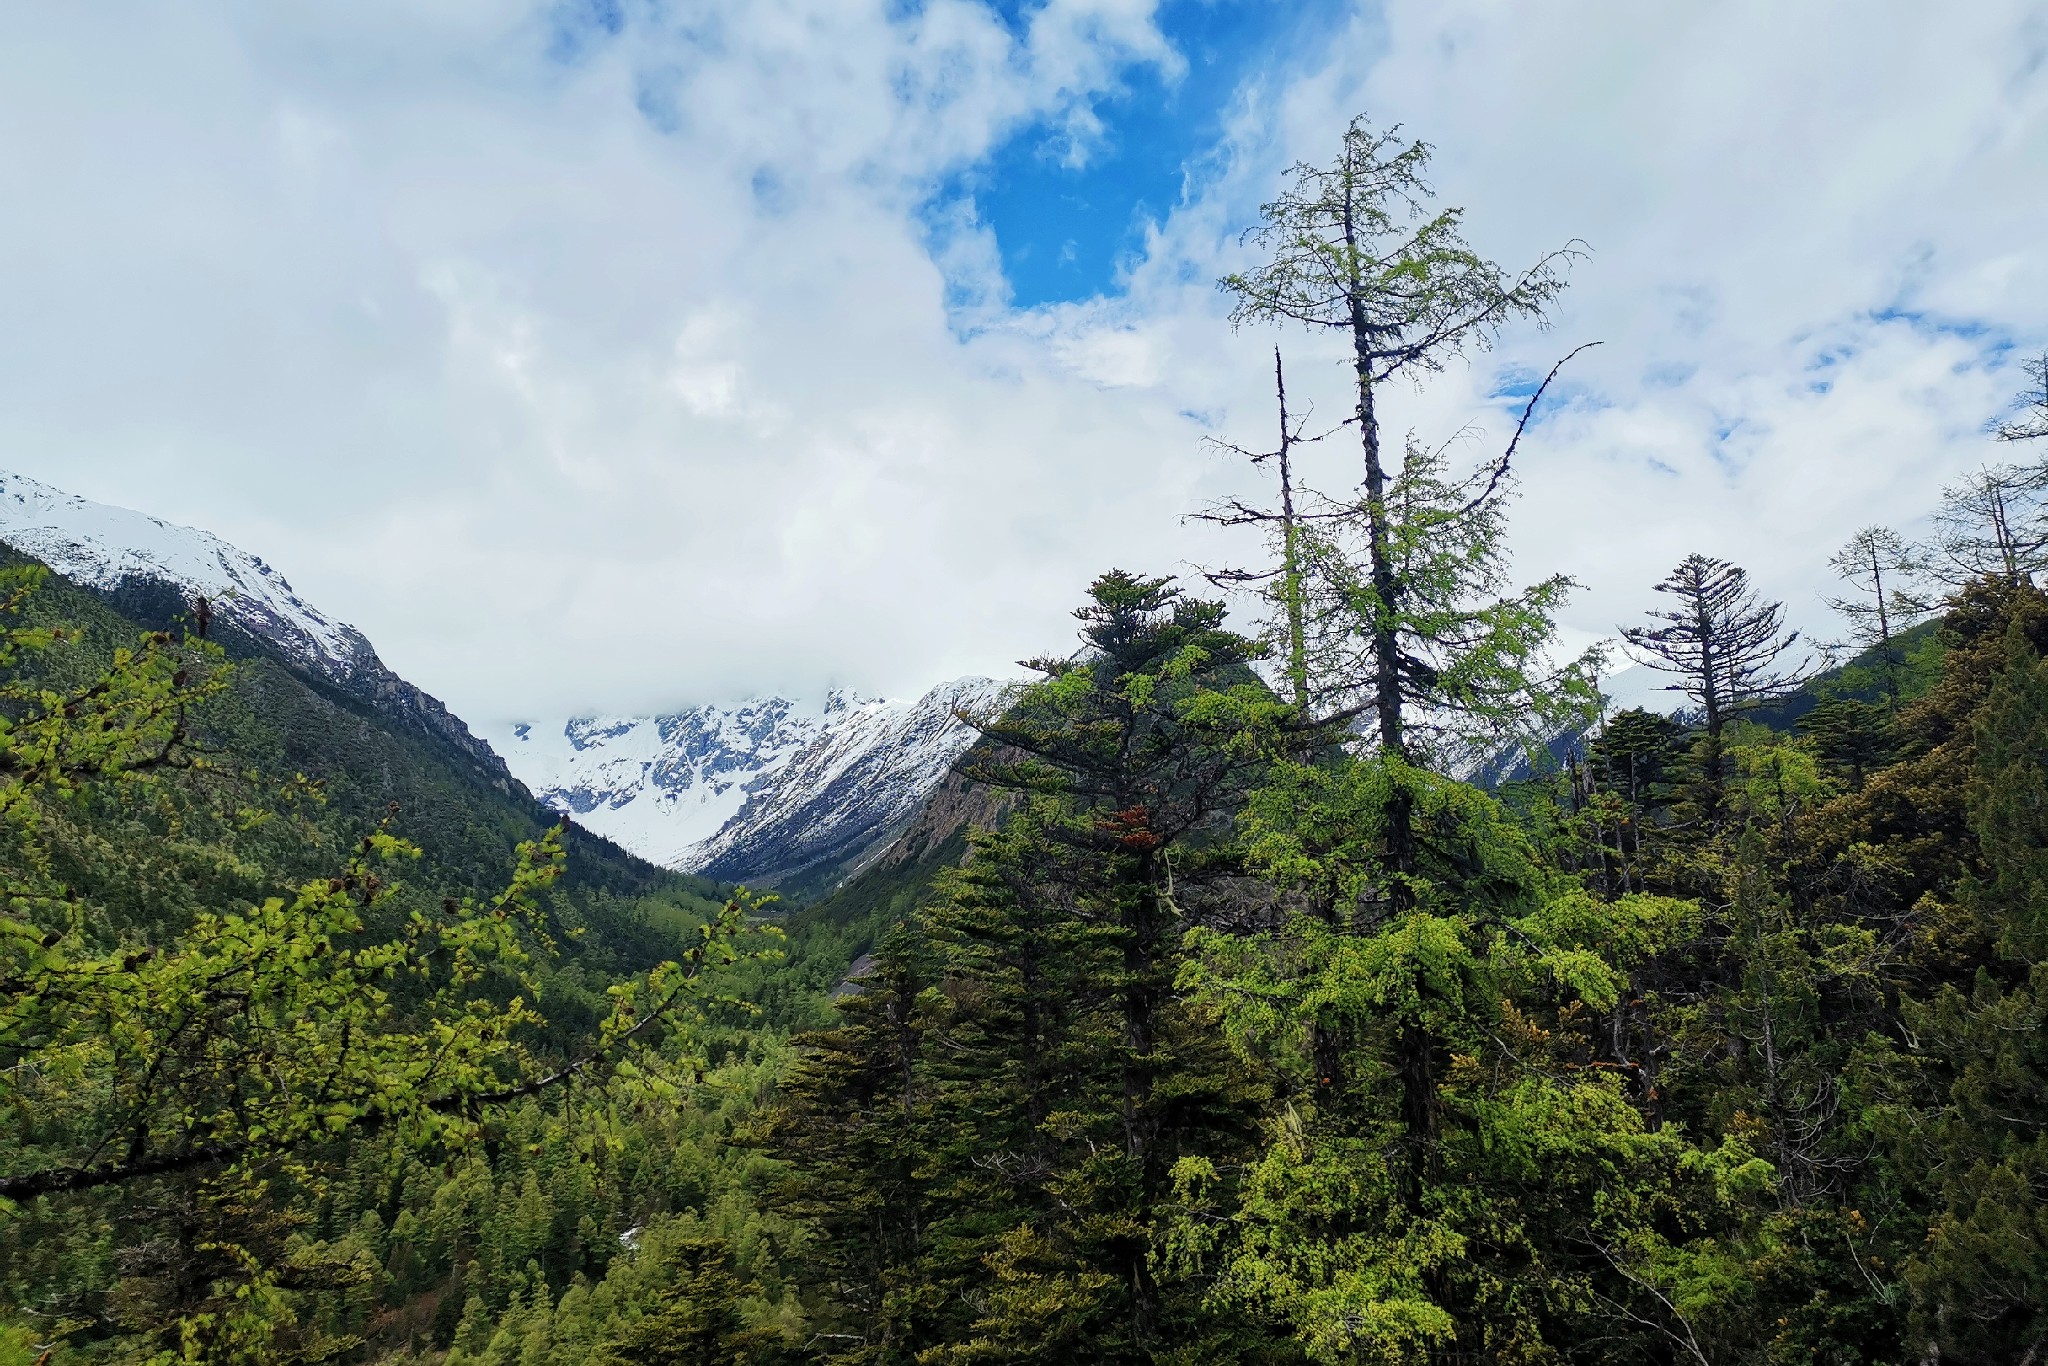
117, 553
770, 791
762, 791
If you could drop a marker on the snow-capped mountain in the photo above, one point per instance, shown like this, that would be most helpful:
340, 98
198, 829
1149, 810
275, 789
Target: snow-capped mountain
660, 785
762, 791
852, 789
100, 546
111, 549
759, 792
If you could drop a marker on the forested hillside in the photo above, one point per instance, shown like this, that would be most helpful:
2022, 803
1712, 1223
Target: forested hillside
217, 863
1203, 1017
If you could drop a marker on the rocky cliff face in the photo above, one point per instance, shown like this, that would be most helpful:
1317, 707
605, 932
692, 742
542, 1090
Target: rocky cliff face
661, 785
851, 791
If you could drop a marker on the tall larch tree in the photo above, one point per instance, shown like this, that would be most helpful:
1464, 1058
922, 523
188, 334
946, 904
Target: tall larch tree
1414, 617
1883, 573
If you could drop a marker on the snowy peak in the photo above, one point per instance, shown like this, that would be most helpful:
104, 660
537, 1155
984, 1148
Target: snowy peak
101, 547
753, 792
763, 791
658, 785
852, 789
107, 548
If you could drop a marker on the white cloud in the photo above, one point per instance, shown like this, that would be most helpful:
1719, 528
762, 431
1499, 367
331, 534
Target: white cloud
1813, 230
632, 379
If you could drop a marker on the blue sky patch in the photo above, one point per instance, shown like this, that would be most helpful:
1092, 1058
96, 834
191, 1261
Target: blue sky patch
1065, 224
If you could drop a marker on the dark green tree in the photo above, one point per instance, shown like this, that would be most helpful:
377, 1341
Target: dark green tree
1140, 750
988, 1133
1980, 1144
1726, 648
854, 1122
695, 1318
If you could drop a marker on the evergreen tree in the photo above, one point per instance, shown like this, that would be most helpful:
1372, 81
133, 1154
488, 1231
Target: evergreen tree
1403, 592
1619, 800
695, 1318
854, 1122
1883, 569
1852, 734
1475, 1180
988, 1133
1725, 646
1144, 745
1980, 1278
1146, 738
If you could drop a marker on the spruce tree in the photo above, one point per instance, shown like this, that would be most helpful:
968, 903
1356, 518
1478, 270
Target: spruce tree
985, 1140
1145, 744
854, 1122
1725, 646
1631, 777
695, 1317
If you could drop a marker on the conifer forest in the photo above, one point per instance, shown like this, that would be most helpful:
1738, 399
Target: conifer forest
1320, 969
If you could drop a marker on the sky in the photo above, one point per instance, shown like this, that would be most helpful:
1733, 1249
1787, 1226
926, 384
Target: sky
610, 355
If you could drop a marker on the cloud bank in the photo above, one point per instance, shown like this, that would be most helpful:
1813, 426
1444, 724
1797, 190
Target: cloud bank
610, 356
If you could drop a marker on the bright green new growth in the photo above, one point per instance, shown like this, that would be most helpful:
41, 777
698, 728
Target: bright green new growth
1355, 247
237, 1045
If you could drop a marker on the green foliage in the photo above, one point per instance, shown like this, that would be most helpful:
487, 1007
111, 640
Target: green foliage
1425, 579
985, 1140
695, 1319
1453, 1168
1396, 598
1981, 1278
172, 1025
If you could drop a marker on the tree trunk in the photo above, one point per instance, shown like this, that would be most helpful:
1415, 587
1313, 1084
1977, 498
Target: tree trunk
1386, 637
1140, 1009
1713, 760
1415, 1062
1884, 640
1290, 554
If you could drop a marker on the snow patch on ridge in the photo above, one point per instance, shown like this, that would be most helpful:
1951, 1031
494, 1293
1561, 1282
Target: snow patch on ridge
657, 785
100, 546
852, 786
755, 791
